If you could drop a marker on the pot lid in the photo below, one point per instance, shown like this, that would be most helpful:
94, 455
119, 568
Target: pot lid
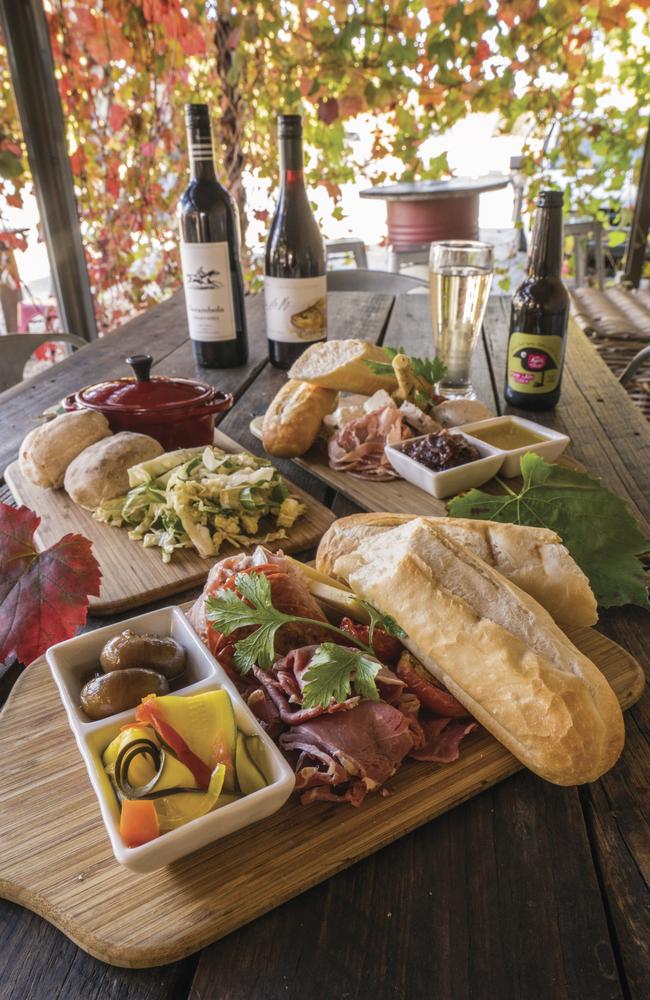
142, 392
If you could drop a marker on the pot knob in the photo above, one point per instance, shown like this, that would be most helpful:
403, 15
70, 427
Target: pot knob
141, 365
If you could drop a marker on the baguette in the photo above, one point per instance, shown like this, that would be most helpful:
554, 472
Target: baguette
293, 420
532, 558
497, 650
341, 365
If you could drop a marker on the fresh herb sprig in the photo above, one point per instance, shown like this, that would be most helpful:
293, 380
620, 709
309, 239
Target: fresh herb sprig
378, 619
333, 669
431, 370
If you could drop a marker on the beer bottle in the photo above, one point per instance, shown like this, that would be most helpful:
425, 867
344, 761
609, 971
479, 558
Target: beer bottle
539, 316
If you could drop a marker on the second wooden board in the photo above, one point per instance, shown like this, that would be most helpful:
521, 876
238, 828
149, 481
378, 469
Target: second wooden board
395, 495
131, 574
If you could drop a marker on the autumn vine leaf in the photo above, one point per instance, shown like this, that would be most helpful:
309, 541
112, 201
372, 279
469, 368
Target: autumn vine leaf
43, 595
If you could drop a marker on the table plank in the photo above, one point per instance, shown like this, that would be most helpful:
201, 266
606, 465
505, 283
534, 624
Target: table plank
503, 925
161, 331
444, 912
612, 438
37, 962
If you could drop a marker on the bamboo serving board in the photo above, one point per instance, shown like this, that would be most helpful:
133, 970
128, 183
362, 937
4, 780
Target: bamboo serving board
395, 495
131, 574
56, 859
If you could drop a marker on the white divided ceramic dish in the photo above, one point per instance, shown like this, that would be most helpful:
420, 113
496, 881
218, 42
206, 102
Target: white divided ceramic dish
447, 482
72, 662
548, 449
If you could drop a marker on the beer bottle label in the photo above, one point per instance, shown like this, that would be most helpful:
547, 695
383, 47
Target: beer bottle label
534, 363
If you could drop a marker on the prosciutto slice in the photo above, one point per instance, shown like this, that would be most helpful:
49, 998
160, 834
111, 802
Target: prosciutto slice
362, 748
358, 448
443, 738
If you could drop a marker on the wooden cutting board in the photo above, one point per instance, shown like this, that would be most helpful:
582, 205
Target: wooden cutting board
131, 574
56, 859
395, 495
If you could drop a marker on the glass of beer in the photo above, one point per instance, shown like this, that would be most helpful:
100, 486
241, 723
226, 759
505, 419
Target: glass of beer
460, 275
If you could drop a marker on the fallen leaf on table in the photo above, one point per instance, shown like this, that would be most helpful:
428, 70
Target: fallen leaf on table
594, 524
43, 595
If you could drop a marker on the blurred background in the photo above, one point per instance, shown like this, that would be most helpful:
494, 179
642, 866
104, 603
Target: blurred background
542, 92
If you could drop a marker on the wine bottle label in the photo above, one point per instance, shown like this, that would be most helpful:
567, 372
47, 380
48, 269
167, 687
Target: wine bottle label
534, 362
296, 308
208, 291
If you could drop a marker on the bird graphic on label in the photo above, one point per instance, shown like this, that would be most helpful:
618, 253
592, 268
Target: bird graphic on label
537, 361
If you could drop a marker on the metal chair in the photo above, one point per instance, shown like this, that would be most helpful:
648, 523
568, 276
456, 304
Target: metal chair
345, 248
637, 361
356, 279
17, 348
582, 231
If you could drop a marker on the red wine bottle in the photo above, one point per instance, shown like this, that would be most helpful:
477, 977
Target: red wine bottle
539, 316
294, 283
210, 256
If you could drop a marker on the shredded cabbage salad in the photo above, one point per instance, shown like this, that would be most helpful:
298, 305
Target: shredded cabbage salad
200, 498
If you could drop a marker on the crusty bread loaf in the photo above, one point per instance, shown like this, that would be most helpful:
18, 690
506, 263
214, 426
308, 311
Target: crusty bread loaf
47, 451
533, 558
293, 420
341, 365
495, 649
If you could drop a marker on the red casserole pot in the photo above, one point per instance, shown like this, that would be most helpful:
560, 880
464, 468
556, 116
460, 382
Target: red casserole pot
177, 412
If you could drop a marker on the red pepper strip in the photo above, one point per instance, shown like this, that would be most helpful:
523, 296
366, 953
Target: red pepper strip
388, 648
432, 695
269, 570
149, 713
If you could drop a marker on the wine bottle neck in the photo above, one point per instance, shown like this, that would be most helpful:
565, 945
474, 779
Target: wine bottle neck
545, 259
199, 142
292, 173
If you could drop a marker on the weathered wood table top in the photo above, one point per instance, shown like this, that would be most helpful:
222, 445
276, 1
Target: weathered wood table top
528, 891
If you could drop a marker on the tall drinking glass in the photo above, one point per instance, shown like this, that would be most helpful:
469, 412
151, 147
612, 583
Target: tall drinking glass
460, 275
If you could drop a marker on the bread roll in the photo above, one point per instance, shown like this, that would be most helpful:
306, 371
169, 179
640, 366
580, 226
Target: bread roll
495, 649
341, 365
47, 451
101, 472
293, 420
533, 558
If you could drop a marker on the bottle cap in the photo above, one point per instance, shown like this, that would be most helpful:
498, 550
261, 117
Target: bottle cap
550, 199
197, 114
290, 126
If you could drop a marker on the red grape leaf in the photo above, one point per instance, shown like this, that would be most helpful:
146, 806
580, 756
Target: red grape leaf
43, 595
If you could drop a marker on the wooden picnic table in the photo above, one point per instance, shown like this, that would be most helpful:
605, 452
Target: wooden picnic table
526, 891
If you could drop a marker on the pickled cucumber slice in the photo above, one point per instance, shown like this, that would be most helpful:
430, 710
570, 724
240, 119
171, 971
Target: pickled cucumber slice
249, 776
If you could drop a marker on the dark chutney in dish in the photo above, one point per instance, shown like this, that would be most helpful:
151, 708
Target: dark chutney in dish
441, 450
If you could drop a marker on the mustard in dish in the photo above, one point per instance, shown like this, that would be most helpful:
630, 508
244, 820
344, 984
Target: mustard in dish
508, 436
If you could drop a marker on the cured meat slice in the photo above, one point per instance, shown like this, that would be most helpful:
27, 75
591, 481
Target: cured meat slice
358, 448
369, 743
433, 696
284, 685
443, 738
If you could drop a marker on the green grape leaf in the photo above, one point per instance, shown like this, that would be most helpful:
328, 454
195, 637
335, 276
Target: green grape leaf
594, 524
